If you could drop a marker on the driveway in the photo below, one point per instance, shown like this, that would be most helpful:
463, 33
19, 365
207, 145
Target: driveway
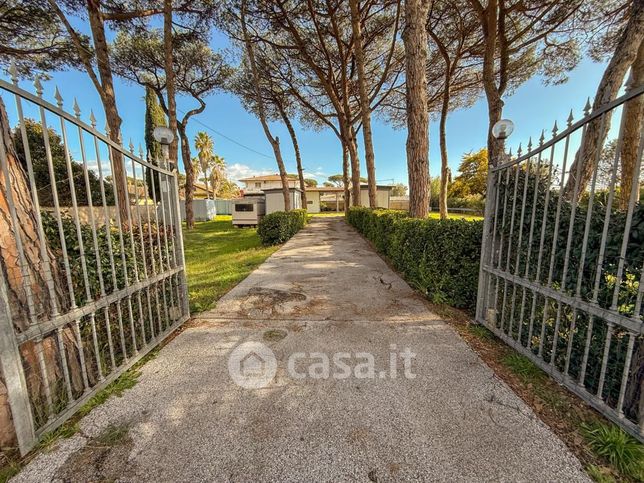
409, 401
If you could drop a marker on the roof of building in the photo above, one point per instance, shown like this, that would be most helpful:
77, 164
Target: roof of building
325, 188
273, 190
365, 186
269, 177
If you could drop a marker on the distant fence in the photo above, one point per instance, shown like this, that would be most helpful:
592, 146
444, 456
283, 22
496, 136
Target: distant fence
403, 204
224, 207
398, 204
453, 209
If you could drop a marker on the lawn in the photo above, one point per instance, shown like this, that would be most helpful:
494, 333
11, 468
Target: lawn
327, 214
218, 257
456, 216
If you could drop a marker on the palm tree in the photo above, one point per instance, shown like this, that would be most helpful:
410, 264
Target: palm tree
217, 173
204, 146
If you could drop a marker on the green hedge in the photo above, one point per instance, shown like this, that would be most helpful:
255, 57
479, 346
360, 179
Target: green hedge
438, 257
279, 226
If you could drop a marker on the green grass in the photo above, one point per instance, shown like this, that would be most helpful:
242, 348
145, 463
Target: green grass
616, 447
523, 367
113, 435
456, 216
327, 214
218, 257
480, 331
598, 474
9, 470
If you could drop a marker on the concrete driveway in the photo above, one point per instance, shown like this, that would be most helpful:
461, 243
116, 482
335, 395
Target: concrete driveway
409, 401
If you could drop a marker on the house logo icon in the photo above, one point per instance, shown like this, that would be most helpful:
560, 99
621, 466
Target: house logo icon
252, 365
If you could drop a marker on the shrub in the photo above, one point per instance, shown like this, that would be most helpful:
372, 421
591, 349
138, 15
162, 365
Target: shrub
279, 226
438, 257
621, 450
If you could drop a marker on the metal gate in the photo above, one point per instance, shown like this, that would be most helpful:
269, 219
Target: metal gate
562, 275
93, 274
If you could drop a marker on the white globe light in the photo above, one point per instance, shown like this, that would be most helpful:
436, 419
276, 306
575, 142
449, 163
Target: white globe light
502, 129
163, 135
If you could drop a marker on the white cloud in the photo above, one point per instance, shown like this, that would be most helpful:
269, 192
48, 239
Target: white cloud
237, 171
317, 173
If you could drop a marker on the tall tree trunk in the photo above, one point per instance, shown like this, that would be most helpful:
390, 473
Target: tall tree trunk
275, 142
298, 157
355, 167
442, 197
345, 177
633, 113
365, 108
169, 76
108, 99
625, 54
190, 175
415, 40
493, 91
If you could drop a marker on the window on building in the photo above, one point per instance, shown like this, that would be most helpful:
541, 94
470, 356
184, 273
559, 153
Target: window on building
258, 184
244, 207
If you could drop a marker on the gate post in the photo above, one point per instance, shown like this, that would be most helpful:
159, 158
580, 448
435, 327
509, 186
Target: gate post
14, 376
179, 242
486, 247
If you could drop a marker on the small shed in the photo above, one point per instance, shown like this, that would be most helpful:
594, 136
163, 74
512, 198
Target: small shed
248, 211
275, 199
383, 194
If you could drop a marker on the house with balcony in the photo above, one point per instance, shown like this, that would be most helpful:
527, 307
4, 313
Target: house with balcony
257, 184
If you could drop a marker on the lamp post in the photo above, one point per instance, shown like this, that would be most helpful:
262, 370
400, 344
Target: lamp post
501, 131
170, 186
486, 311
164, 136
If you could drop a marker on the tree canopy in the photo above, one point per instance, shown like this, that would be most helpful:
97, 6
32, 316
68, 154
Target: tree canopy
472, 177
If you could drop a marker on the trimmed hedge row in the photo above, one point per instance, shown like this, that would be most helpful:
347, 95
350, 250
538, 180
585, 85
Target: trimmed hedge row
438, 257
279, 226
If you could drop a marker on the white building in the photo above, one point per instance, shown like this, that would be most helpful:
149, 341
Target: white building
275, 199
257, 184
318, 199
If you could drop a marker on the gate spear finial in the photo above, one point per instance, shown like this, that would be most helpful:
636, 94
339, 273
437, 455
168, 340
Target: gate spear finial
58, 97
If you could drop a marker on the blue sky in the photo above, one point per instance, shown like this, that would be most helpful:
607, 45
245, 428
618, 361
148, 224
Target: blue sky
532, 107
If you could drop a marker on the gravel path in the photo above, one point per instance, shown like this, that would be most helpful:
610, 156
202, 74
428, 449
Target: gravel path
324, 292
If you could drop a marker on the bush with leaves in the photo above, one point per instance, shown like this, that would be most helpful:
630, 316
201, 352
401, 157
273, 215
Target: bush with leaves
279, 226
438, 257
124, 262
42, 175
